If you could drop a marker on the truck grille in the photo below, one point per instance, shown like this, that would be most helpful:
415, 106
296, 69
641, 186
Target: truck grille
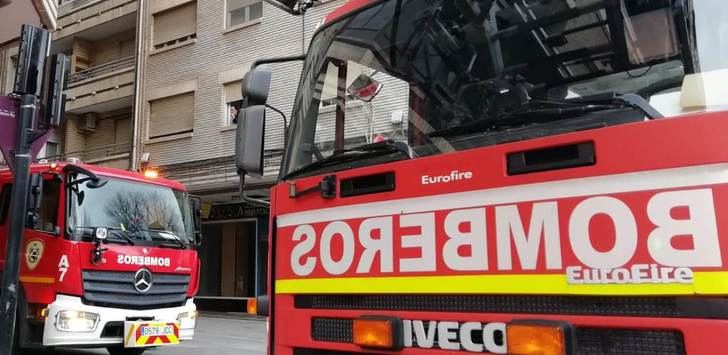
589, 341
116, 289
676, 307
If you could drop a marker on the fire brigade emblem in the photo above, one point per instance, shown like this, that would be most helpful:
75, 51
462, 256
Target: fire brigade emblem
33, 253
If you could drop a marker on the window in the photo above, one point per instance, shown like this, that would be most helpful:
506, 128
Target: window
48, 212
4, 202
175, 25
52, 149
332, 101
242, 11
11, 65
233, 101
172, 115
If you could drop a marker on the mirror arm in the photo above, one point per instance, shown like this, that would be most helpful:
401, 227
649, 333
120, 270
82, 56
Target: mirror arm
260, 62
246, 198
285, 124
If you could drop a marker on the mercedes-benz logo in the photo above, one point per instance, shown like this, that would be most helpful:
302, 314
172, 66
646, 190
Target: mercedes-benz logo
143, 280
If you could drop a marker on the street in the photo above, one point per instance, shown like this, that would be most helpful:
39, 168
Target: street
221, 336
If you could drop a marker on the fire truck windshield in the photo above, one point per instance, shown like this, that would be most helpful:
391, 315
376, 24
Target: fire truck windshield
442, 76
134, 213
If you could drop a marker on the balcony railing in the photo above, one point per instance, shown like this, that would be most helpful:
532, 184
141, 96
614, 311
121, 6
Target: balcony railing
92, 154
102, 69
67, 6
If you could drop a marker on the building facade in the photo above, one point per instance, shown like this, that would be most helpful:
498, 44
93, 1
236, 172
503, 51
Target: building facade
100, 37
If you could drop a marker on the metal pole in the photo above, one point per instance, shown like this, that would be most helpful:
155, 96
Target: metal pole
18, 206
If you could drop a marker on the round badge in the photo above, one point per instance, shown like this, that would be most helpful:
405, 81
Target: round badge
33, 253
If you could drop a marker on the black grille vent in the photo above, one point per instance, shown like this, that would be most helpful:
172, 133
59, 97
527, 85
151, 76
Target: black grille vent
569, 305
116, 289
332, 330
590, 341
629, 342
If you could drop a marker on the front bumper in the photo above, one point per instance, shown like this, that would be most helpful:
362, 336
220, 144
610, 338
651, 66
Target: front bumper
54, 337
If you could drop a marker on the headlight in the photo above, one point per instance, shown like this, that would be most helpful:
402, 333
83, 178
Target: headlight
76, 321
187, 320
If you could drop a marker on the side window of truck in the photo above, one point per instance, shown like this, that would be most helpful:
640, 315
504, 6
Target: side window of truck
48, 212
4, 203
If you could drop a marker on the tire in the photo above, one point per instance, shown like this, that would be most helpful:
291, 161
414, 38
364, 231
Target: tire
120, 350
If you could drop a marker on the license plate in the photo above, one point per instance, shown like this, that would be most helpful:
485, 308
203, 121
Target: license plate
144, 334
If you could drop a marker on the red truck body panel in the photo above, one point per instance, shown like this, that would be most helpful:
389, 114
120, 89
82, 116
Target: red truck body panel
618, 213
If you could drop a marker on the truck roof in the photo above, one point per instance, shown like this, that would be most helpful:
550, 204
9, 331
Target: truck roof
6, 174
345, 9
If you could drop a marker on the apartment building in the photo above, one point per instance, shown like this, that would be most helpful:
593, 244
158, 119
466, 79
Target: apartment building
100, 37
195, 54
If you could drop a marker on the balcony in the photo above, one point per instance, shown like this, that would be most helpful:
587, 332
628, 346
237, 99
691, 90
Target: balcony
66, 7
114, 156
93, 19
101, 88
101, 70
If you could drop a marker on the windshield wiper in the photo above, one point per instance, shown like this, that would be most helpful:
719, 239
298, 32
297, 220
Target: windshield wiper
124, 238
546, 111
353, 154
177, 239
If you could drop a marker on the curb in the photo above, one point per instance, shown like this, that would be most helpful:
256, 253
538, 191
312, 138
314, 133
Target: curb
231, 315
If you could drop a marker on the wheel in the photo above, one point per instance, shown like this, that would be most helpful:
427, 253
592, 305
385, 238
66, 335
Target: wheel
120, 350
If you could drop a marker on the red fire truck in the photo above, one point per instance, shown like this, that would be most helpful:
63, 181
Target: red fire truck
108, 259
496, 176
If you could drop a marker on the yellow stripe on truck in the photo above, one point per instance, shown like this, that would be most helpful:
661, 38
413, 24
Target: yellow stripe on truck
37, 279
705, 283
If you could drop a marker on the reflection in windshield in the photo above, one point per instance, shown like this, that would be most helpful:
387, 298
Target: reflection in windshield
514, 66
142, 212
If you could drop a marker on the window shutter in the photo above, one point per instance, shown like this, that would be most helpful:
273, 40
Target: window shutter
232, 91
172, 115
175, 23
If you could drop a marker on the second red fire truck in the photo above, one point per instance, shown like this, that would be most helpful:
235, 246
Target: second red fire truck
108, 259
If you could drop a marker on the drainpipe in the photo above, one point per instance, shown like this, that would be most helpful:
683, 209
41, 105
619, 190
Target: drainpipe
138, 105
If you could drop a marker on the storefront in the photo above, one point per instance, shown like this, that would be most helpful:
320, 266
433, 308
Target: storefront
234, 255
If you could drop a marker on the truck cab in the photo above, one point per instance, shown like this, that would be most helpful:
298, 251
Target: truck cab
521, 177
104, 251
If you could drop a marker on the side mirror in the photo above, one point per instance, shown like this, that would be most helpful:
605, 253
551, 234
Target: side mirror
35, 197
365, 88
196, 205
255, 87
250, 140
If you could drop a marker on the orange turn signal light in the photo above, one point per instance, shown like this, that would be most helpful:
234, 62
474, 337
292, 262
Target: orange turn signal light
378, 333
253, 306
151, 173
537, 339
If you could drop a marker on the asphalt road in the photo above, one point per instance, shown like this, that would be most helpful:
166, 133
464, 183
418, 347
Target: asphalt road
214, 335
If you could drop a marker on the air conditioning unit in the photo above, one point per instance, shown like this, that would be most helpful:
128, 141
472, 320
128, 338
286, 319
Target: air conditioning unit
87, 122
397, 117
